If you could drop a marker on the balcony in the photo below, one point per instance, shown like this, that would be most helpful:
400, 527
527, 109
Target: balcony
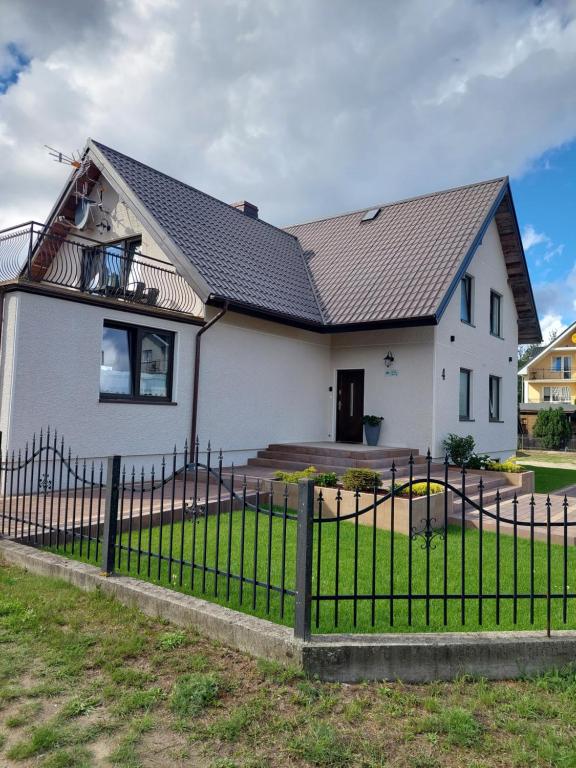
33, 253
550, 374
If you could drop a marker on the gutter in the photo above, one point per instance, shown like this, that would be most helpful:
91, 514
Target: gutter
196, 386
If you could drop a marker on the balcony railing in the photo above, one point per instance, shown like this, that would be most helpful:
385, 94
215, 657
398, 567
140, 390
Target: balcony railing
553, 374
34, 254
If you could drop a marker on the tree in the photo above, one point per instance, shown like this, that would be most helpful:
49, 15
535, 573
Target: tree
552, 428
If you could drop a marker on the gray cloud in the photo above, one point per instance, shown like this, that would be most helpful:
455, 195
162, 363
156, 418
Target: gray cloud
306, 108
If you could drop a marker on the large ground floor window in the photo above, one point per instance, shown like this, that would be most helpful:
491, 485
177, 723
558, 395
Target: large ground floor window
136, 363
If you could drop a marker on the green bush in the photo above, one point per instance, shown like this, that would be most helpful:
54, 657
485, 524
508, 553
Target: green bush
505, 466
326, 479
552, 428
418, 489
459, 449
479, 461
293, 477
372, 421
361, 479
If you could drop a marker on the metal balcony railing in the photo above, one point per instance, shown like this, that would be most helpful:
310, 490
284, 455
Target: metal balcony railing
552, 373
33, 253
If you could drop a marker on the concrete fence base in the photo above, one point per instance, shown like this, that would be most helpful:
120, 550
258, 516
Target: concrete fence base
413, 658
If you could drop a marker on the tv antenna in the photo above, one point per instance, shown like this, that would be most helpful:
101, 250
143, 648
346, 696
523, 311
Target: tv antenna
62, 157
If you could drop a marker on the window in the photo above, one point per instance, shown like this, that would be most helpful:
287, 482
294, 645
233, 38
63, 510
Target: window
466, 299
556, 395
562, 365
371, 214
494, 398
465, 394
106, 269
136, 363
495, 314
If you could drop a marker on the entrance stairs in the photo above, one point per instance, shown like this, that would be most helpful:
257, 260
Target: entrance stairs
334, 457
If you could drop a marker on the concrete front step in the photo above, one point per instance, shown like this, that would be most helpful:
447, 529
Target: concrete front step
282, 459
341, 452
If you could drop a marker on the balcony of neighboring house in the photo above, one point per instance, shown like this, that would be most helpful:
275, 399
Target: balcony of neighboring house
34, 254
552, 374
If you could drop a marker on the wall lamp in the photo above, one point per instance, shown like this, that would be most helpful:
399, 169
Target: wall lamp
389, 359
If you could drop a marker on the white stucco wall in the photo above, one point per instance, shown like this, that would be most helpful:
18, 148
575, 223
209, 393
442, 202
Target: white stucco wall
475, 348
262, 382
57, 377
402, 394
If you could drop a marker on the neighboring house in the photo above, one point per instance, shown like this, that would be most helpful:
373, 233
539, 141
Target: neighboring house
411, 310
549, 380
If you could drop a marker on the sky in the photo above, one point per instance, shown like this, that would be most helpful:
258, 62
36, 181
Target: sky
305, 107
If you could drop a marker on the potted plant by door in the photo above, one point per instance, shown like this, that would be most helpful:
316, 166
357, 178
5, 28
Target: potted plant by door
372, 425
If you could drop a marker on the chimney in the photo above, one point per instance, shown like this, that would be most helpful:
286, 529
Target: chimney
248, 208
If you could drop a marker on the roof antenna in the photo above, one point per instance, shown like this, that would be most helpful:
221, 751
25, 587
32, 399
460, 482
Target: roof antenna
62, 157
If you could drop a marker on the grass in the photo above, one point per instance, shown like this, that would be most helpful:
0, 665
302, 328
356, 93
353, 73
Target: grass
551, 479
550, 457
193, 693
208, 540
237, 712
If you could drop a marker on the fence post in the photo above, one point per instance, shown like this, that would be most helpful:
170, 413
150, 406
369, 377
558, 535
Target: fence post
302, 611
111, 515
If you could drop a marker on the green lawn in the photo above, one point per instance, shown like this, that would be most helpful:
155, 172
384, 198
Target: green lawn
551, 479
268, 603
86, 682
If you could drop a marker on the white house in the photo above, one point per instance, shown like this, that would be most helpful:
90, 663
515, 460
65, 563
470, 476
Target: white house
145, 311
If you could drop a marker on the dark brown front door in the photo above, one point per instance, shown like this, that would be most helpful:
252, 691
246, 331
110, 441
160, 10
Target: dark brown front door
350, 406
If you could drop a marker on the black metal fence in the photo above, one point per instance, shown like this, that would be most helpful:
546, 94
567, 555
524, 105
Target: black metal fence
33, 253
440, 548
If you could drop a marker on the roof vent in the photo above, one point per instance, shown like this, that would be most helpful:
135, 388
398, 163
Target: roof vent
371, 214
248, 208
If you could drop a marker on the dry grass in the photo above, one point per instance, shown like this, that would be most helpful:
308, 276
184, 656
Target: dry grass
86, 682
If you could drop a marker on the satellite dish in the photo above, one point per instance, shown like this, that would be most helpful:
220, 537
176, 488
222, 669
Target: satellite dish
82, 213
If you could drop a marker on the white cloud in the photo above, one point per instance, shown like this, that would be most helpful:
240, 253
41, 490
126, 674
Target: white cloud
531, 238
551, 325
556, 303
306, 108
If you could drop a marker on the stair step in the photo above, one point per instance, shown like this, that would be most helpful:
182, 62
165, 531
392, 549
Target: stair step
340, 452
337, 461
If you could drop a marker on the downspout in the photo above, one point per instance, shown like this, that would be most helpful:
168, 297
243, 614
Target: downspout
196, 387
1, 318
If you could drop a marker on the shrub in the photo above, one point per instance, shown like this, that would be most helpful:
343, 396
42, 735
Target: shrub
505, 466
552, 428
372, 421
293, 477
361, 479
326, 479
418, 489
479, 461
459, 449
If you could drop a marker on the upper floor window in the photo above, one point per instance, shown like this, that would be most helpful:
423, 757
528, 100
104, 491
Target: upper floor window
465, 405
563, 366
495, 314
495, 384
106, 268
466, 299
136, 363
